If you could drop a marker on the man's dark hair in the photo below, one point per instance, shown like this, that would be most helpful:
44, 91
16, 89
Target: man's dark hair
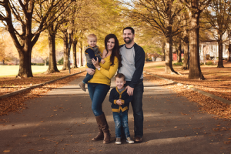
133, 31
120, 75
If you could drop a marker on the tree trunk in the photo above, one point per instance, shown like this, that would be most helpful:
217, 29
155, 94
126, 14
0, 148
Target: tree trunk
168, 52
74, 54
24, 46
25, 62
81, 53
220, 46
52, 55
65, 50
168, 49
185, 44
194, 68
186, 55
163, 50
179, 53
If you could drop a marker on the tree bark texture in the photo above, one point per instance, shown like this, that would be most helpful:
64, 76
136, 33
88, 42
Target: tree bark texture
168, 52
186, 55
163, 49
74, 54
65, 50
220, 46
194, 68
168, 49
81, 53
25, 62
229, 53
185, 45
52, 54
179, 53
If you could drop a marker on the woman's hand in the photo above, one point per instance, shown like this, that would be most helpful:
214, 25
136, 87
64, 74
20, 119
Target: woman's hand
90, 71
95, 62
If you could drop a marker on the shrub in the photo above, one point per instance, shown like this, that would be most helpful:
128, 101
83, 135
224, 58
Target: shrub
39, 64
178, 64
209, 63
60, 62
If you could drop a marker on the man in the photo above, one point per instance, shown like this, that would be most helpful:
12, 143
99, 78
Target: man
133, 58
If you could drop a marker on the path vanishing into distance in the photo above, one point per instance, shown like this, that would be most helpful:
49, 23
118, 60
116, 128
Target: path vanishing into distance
62, 122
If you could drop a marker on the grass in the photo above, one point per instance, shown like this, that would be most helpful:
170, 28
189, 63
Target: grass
12, 70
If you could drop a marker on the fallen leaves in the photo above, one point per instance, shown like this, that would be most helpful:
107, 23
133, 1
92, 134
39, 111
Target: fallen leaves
207, 104
6, 151
16, 103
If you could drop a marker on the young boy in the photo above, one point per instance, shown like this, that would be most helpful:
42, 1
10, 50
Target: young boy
91, 51
120, 103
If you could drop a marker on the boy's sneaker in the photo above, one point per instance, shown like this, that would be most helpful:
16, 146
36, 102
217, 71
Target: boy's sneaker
82, 86
118, 141
129, 140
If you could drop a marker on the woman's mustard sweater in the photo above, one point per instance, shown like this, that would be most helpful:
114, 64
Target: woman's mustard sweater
106, 72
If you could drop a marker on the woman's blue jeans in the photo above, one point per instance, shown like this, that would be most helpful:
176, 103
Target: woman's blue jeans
121, 119
97, 94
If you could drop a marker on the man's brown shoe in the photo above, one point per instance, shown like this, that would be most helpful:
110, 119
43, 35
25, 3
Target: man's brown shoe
138, 139
82, 86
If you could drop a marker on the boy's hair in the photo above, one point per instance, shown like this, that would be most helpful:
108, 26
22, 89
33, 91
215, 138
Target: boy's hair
91, 36
133, 31
120, 75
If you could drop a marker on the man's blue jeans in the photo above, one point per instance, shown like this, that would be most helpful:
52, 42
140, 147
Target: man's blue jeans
97, 94
88, 76
137, 109
121, 119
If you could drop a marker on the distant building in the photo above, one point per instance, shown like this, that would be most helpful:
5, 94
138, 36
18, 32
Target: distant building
209, 48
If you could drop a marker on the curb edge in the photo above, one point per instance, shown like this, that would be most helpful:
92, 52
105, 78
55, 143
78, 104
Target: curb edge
35, 86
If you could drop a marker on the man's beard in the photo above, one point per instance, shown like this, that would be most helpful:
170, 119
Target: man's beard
129, 40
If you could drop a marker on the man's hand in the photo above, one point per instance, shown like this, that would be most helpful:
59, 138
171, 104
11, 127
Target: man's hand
119, 102
130, 90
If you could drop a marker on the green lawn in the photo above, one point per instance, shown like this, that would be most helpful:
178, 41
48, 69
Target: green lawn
12, 70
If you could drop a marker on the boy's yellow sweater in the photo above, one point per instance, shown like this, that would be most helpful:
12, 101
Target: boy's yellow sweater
106, 72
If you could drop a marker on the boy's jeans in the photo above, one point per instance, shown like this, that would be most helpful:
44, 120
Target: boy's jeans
88, 76
121, 119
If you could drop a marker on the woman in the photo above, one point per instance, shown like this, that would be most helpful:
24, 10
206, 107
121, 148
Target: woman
99, 85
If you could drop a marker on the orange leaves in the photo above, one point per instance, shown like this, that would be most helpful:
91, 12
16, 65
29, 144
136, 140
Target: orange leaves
207, 104
6, 151
16, 103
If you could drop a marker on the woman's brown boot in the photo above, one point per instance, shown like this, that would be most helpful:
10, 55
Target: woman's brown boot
104, 129
99, 136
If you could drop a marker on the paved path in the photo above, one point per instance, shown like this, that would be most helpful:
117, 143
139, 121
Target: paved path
62, 122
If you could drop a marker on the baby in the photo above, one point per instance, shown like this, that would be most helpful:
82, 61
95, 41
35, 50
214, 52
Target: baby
91, 51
